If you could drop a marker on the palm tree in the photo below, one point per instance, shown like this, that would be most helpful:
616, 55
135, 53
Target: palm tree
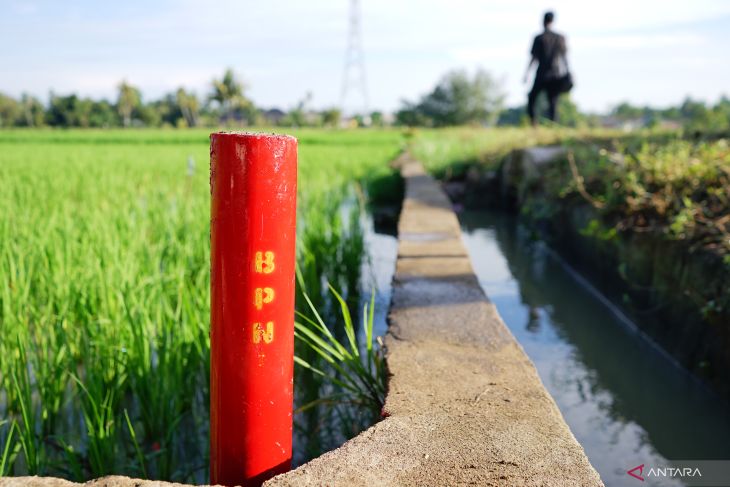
129, 99
32, 110
189, 106
228, 92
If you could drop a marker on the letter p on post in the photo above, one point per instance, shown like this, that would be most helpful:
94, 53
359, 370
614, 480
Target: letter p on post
253, 184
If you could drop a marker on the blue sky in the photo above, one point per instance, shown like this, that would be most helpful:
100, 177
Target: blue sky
643, 51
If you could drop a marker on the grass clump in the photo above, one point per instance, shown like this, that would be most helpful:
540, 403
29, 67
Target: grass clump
679, 188
359, 374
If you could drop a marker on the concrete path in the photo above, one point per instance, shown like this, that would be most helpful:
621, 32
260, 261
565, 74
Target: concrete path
465, 405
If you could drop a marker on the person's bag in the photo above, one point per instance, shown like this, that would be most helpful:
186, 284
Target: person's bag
564, 78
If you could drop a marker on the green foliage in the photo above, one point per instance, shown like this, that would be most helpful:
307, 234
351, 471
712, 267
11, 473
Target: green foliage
10, 111
331, 117
596, 229
699, 117
626, 111
450, 152
9, 446
189, 107
377, 119
33, 112
678, 187
356, 370
568, 113
692, 115
684, 221
651, 180
228, 92
514, 116
227, 88
27, 112
71, 111
104, 290
299, 116
457, 100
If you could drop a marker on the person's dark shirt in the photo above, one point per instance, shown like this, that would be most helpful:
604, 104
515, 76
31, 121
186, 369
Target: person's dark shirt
547, 48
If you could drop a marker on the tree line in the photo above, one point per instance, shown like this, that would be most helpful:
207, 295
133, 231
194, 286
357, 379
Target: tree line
692, 115
225, 104
457, 99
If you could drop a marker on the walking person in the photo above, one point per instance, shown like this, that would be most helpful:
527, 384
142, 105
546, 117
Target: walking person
552, 75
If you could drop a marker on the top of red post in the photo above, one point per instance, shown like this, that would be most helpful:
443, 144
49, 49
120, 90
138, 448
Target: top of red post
251, 135
259, 151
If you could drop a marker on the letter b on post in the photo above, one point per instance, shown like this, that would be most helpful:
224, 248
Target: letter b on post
264, 262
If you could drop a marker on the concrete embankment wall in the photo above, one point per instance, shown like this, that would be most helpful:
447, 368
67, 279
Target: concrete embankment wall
464, 404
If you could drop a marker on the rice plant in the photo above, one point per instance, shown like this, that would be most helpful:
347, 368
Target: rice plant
357, 373
105, 286
9, 446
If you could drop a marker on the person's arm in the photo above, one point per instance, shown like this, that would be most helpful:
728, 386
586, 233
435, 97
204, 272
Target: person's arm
533, 60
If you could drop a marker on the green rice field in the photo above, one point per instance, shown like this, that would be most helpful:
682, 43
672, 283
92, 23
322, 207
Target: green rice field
104, 290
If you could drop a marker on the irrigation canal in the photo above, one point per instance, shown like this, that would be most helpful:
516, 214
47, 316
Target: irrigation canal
625, 402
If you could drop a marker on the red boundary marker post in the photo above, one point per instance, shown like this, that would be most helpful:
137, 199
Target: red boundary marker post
253, 184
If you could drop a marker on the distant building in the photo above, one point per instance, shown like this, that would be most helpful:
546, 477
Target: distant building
273, 116
670, 124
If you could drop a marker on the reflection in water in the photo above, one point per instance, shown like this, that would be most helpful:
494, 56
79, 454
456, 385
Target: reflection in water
625, 402
377, 273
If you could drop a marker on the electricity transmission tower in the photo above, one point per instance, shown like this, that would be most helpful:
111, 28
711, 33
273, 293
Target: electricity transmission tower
353, 78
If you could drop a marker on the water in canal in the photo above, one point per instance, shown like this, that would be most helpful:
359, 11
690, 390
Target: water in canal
625, 402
